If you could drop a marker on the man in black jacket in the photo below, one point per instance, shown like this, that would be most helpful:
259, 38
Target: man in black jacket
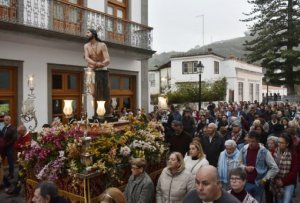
9, 133
179, 139
213, 144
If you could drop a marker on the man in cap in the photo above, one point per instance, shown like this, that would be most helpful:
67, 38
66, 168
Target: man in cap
97, 58
237, 134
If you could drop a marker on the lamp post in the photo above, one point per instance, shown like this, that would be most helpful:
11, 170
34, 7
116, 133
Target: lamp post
200, 68
267, 80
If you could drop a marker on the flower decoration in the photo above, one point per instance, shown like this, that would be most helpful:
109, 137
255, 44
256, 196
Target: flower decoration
56, 151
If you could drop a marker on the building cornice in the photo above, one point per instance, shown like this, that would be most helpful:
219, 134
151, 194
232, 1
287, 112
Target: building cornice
22, 29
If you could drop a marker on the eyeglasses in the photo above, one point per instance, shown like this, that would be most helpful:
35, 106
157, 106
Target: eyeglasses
235, 179
134, 167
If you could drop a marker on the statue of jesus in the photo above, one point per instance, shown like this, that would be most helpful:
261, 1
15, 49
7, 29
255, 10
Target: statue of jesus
97, 58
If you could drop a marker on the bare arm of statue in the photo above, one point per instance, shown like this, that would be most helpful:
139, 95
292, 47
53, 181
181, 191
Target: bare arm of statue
106, 57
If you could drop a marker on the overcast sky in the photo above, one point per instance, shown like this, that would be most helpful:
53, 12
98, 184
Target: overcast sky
178, 23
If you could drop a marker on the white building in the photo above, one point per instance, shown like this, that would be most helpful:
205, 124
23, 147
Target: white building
244, 80
46, 38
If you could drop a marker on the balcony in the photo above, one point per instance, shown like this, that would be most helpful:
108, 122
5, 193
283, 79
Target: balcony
68, 18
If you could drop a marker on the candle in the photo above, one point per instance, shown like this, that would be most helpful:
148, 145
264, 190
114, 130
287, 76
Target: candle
31, 81
82, 102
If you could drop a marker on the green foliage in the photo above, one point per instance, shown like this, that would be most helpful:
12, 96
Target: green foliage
189, 92
276, 28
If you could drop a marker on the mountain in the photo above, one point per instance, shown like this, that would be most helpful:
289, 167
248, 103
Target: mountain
227, 48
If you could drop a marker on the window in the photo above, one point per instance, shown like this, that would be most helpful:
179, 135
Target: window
5, 2
66, 16
5, 80
73, 1
257, 92
241, 91
123, 89
216, 67
58, 12
8, 9
152, 79
251, 92
66, 85
117, 8
8, 92
189, 67
116, 27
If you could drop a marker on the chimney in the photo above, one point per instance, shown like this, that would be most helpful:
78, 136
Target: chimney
209, 50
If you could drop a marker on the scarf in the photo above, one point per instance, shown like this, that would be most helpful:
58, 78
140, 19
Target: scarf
225, 161
236, 136
284, 166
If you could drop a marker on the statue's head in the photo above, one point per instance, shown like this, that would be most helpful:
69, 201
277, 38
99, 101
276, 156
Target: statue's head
94, 35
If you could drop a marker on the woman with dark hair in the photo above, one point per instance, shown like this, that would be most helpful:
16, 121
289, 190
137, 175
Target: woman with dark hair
200, 125
175, 181
238, 178
263, 135
47, 191
223, 121
284, 122
286, 159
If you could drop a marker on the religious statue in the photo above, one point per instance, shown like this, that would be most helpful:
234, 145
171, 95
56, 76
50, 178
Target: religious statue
97, 58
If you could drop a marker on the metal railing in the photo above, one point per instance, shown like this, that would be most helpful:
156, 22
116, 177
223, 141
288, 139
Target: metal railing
63, 17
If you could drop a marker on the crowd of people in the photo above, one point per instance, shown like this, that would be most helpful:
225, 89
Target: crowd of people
253, 146
225, 153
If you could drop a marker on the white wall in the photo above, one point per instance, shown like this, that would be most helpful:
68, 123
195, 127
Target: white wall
135, 9
156, 88
165, 75
207, 75
235, 71
96, 5
37, 52
246, 73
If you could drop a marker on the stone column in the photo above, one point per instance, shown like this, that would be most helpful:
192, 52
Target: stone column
144, 86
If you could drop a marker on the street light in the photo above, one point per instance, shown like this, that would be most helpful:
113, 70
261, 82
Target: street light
267, 80
200, 68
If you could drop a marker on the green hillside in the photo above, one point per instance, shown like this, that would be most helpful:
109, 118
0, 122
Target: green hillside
227, 48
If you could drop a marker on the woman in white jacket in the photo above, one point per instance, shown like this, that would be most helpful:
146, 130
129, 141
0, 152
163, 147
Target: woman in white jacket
175, 181
195, 159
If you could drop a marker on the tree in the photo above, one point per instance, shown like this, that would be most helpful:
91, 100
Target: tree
189, 92
276, 27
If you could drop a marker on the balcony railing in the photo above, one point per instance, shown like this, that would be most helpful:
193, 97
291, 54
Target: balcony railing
71, 19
